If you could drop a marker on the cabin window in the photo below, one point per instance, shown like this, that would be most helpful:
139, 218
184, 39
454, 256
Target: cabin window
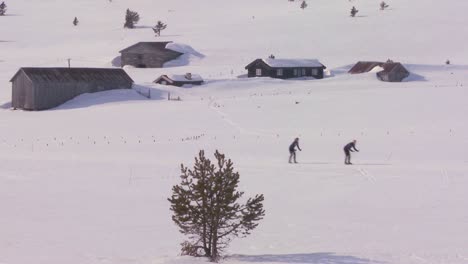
295, 72
164, 83
279, 72
314, 72
140, 56
258, 72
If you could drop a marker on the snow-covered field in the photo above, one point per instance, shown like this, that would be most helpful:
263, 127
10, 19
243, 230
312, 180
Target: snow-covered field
88, 182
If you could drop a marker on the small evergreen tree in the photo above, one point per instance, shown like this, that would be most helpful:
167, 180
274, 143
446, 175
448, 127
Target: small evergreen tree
131, 18
75, 21
3, 8
303, 5
205, 207
383, 5
447, 62
354, 11
160, 26
271, 56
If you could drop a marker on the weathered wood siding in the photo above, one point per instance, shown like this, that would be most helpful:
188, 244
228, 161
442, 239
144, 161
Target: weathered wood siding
394, 76
22, 93
50, 95
148, 60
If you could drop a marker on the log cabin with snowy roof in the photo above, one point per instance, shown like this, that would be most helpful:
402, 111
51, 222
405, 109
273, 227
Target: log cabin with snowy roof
285, 68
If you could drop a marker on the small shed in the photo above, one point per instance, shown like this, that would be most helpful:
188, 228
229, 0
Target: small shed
285, 68
45, 88
180, 80
393, 72
148, 54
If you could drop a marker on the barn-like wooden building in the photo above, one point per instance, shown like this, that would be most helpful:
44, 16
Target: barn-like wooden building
285, 68
148, 55
393, 72
389, 71
45, 88
180, 80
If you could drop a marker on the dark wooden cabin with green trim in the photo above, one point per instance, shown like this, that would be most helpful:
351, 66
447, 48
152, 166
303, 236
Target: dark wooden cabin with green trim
285, 68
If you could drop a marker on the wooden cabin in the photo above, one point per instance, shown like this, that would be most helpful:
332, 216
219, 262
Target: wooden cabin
148, 55
180, 80
285, 68
393, 72
389, 71
45, 88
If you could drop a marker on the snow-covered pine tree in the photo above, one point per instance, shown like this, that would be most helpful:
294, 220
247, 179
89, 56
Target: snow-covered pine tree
75, 21
131, 18
3, 8
354, 11
303, 5
205, 207
383, 5
160, 26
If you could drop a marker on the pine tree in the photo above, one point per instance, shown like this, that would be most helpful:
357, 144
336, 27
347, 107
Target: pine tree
75, 21
383, 5
131, 18
303, 5
3, 8
205, 207
160, 26
354, 11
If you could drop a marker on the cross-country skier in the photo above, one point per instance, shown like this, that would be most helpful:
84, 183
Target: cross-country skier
292, 150
350, 147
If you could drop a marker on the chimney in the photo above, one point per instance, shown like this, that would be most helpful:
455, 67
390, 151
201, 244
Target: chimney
188, 76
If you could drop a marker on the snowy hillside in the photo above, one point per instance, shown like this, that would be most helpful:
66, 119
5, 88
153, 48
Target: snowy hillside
88, 182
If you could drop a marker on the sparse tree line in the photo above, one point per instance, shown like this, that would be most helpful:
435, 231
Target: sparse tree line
131, 19
353, 11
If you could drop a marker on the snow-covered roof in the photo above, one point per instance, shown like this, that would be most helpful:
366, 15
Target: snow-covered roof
149, 47
180, 78
292, 63
183, 48
183, 78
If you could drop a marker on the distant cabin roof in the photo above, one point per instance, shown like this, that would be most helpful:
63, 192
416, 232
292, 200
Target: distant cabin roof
367, 66
180, 78
148, 47
75, 74
290, 63
364, 66
393, 66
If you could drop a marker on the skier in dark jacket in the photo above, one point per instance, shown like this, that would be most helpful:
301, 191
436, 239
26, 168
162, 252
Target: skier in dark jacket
350, 147
292, 150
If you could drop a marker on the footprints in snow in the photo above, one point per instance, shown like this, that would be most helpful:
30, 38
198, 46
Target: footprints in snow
368, 176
